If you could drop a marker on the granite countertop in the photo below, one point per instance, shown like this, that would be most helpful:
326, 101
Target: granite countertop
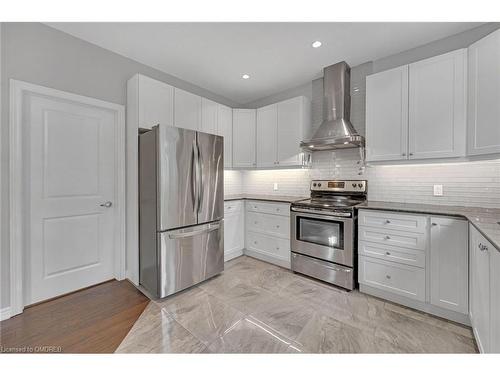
263, 197
484, 219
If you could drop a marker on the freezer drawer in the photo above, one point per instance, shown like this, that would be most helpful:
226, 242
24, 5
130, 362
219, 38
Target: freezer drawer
188, 256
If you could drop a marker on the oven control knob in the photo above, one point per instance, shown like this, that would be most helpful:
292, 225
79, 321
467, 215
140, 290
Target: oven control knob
314, 184
319, 184
353, 185
360, 185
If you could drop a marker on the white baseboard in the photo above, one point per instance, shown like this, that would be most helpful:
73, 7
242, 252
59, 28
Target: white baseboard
5, 313
232, 254
417, 305
267, 258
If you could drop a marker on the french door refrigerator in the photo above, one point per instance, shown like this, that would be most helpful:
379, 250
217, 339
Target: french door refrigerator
181, 198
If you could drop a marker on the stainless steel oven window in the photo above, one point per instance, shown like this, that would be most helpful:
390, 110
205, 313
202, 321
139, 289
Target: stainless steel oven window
321, 232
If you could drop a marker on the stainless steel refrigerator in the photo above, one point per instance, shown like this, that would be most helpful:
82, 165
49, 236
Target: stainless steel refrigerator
181, 197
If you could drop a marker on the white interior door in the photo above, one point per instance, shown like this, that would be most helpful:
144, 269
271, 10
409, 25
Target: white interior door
71, 176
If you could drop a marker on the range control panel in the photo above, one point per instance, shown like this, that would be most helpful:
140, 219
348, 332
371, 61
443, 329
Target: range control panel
345, 186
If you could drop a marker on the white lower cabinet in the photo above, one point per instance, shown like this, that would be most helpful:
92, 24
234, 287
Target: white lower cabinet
422, 264
234, 229
485, 292
267, 233
449, 264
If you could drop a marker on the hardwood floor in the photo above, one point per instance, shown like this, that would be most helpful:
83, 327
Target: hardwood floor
93, 320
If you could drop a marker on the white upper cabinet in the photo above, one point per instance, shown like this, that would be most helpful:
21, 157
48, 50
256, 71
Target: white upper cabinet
187, 110
294, 122
225, 129
267, 133
150, 102
437, 106
449, 264
484, 96
208, 116
244, 132
387, 115
418, 111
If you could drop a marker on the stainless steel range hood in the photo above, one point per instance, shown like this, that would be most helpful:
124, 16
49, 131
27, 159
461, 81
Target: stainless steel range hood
336, 131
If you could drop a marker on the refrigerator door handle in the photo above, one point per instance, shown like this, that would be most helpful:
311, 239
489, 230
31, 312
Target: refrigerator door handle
192, 233
199, 174
195, 176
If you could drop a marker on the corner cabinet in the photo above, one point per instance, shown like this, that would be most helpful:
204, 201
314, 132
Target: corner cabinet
485, 296
234, 229
403, 121
244, 133
484, 96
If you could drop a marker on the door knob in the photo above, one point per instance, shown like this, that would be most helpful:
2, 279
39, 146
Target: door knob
107, 204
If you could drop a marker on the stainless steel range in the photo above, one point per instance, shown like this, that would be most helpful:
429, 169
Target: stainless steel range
323, 237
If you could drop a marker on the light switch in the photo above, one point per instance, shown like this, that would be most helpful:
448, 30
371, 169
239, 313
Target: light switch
275, 186
438, 190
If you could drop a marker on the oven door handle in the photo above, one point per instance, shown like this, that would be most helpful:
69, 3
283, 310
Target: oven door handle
343, 216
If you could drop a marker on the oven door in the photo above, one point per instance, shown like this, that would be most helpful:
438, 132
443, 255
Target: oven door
322, 236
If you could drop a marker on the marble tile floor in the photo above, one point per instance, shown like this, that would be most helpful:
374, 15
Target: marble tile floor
256, 307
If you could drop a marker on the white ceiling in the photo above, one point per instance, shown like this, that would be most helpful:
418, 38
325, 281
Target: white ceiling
277, 56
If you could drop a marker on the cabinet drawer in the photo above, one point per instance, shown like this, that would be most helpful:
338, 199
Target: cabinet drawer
232, 206
392, 277
274, 225
392, 253
265, 244
393, 237
387, 220
269, 207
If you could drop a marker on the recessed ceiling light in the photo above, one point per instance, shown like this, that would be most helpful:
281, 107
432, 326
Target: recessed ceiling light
245, 76
316, 44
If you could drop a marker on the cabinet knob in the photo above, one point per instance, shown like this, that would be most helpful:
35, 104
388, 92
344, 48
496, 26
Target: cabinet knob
277, 248
255, 222
277, 226
434, 224
387, 238
388, 276
255, 242
403, 154
387, 221
387, 253
411, 154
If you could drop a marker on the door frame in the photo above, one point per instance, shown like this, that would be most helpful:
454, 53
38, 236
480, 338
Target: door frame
17, 182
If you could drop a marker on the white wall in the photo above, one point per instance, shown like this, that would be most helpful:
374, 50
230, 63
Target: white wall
42, 55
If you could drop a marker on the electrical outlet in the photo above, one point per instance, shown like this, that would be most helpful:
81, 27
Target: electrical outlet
438, 190
275, 186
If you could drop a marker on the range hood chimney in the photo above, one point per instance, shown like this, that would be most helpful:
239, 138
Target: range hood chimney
336, 131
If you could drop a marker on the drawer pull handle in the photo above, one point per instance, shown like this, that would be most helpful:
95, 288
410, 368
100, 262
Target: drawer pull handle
388, 276
229, 207
387, 253
278, 209
387, 238
277, 248
434, 224
255, 242
387, 221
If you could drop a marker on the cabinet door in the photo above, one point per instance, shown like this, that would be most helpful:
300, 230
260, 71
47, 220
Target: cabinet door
494, 298
225, 129
234, 230
437, 109
156, 100
244, 138
449, 264
187, 113
208, 116
267, 131
480, 293
387, 115
293, 120
484, 96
